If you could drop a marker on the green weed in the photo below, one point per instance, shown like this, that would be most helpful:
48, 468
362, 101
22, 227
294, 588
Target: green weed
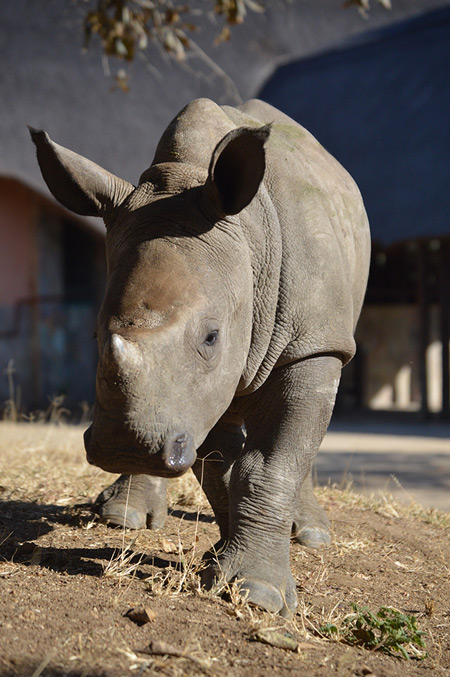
389, 631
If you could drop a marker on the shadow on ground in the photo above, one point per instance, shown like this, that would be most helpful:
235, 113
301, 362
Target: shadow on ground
23, 523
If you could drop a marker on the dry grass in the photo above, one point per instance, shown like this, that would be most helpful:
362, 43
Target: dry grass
124, 563
385, 505
34, 452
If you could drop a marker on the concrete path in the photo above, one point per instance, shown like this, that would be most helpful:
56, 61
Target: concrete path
390, 455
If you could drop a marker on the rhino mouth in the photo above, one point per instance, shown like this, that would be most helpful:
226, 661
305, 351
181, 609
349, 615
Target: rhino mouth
172, 459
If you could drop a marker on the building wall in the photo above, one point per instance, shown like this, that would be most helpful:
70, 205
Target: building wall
52, 273
387, 339
18, 253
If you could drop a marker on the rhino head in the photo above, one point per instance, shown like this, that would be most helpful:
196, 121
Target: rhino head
175, 326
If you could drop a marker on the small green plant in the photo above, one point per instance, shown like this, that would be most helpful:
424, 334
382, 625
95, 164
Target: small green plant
389, 631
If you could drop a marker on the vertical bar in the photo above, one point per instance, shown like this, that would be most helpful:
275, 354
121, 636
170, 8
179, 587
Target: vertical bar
424, 330
360, 362
444, 324
35, 353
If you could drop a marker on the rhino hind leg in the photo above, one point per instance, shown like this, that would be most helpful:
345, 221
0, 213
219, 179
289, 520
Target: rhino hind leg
134, 501
311, 526
213, 469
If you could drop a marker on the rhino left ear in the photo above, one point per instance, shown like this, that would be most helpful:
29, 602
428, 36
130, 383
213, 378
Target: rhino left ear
236, 169
76, 182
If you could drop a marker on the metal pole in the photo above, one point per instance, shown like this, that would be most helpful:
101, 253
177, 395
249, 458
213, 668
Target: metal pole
423, 334
444, 324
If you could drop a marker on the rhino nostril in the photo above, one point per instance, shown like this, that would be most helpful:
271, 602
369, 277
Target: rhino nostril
179, 453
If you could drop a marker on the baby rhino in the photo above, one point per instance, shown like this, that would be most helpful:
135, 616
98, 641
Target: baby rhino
236, 273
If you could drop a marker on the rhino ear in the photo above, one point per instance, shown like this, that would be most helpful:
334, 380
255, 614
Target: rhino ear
76, 182
236, 169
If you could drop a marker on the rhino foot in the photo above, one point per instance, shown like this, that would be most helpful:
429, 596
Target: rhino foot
275, 592
311, 527
134, 502
313, 537
270, 598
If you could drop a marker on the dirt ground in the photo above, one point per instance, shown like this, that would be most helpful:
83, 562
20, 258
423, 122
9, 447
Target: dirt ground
67, 580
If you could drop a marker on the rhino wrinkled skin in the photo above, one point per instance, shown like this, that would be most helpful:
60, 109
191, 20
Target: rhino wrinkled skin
236, 273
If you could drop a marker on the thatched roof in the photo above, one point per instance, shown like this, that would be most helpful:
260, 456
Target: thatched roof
46, 81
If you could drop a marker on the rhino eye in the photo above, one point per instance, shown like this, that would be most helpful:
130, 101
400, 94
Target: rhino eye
212, 337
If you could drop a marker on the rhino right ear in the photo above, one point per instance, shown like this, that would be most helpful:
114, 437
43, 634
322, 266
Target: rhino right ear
236, 169
76, 182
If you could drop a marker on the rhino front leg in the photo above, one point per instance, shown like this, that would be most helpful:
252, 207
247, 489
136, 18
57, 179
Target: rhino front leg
134, 501
286, 420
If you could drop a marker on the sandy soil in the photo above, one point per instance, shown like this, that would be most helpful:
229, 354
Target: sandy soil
67, 581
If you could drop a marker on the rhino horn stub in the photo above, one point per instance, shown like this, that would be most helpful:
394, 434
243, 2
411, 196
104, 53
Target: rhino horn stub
125, 353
